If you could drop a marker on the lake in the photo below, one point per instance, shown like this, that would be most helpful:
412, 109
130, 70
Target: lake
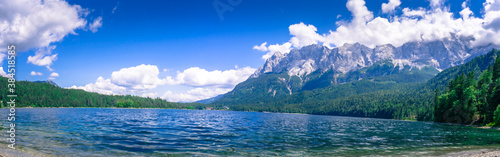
147, 132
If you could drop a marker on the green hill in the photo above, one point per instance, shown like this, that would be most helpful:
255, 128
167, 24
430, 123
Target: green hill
41, 94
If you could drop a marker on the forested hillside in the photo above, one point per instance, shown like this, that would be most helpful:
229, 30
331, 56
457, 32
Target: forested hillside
383, 90
404, 94
476, 65
31, 94
469, 100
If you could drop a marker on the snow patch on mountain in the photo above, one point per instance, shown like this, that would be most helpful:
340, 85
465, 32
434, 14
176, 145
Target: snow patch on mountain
440, 54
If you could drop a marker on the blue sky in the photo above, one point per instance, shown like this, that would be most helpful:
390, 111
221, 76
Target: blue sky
176, 35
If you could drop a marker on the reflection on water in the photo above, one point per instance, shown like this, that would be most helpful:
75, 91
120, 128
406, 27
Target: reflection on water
118, 132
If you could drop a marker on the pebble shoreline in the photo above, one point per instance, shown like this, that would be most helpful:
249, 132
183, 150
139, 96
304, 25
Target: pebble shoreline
483, 153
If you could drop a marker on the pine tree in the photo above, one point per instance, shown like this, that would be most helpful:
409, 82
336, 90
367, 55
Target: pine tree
496, 118
496, 69
483, 94
495, 89
437, 107
469, 105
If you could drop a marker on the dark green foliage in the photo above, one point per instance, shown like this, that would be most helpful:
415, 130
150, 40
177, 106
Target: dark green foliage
494, 96
476, 65
469, 102
384, 91
438, 112
496, 70
495, 86
484, 87
381, 68
496, 118
458, 104
30, 94
261, 90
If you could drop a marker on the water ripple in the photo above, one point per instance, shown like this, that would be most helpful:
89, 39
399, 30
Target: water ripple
147, 132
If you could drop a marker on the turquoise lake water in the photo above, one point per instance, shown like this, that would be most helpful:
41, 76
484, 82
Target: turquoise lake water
157, 132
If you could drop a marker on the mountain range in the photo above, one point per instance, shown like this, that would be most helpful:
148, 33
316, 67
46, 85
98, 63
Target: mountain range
350, 80
440, 54
316, 76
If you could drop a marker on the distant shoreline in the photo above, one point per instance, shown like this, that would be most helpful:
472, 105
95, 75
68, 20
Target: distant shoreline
97, 107
474, 126
475, 151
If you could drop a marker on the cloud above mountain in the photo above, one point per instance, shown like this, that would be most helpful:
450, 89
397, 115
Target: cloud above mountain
412, 25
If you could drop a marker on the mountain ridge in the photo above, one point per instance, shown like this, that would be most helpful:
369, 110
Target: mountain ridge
48, 82
441, 54
317, 67
382, 93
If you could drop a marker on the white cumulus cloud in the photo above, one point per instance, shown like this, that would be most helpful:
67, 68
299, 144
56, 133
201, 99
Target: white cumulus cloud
416, 12
2, 73
132, 80
43, 57
53, 76
35, 23
303, 35
96, 24
194, 94
412, 25
206, 83
389, 7
33, 73
436, 3
271, 49
141, 79
261, 47
359, 11
197, 77
102, 86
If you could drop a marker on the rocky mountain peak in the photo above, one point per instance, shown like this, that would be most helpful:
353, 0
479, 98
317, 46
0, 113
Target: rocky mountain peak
440, 54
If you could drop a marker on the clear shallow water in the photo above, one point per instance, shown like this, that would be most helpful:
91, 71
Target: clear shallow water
146, 132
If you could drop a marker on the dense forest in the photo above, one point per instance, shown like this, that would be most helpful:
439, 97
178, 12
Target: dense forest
469, 100
466, 94
383, 90
407, 94
372, 97
45, 94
